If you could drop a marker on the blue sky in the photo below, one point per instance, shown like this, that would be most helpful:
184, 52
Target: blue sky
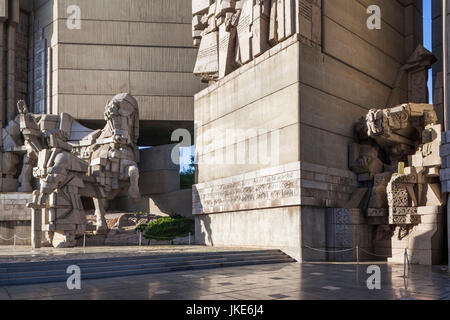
427, 39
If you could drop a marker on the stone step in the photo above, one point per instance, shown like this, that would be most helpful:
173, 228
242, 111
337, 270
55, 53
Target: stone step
55, 271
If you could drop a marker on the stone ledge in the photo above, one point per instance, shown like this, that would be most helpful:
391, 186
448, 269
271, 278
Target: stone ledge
265, 56
280, 186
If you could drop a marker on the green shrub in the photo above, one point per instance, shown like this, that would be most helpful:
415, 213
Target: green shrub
167, 228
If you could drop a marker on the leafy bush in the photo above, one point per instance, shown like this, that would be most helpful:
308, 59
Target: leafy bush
167, 228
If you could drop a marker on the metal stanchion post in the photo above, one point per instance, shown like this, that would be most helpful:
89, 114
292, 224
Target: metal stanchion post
14, 242
84, 241
405, 260
189, 238
140, 238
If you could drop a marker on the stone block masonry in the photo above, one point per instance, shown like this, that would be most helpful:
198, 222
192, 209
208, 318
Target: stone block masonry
15, 218
13, 207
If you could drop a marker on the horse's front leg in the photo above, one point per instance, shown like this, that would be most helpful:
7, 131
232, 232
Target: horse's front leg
133, 191
101, 226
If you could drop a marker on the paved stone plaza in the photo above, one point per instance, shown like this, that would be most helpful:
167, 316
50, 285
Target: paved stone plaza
290, 281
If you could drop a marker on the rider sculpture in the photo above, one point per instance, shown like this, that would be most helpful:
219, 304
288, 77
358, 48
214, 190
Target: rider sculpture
74, 162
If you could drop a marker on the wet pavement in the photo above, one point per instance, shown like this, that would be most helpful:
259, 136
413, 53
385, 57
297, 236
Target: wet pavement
291, 281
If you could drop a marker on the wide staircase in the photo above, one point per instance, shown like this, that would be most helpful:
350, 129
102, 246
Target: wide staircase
21, 273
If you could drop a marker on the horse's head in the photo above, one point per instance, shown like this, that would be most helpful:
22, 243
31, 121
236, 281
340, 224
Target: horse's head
122, 116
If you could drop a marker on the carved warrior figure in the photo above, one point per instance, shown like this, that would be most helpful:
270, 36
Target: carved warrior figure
75, 162
389, 138
231, 33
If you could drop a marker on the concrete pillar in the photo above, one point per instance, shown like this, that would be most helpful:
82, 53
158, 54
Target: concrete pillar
36, 221
2, 83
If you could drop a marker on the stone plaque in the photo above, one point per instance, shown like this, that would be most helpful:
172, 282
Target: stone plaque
343, 236
246, 192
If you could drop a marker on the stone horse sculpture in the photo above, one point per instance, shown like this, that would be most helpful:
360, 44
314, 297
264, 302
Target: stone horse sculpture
75, 162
